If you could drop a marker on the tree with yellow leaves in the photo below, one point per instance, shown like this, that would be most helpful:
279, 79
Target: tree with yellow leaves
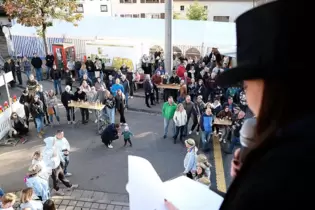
41, 13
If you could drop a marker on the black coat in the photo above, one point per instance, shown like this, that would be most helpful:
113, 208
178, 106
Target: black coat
50, 60
277, 174
66, 97
148, 88
109, 134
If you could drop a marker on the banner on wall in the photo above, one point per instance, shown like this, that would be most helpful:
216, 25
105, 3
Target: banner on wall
114, 55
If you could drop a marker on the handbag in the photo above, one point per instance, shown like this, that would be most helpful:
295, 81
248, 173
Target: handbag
51, 111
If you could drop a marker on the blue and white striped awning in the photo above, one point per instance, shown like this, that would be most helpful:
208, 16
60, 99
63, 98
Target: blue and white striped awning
28, 45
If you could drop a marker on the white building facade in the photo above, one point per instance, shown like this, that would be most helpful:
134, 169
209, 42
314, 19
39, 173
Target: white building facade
218, 10
94, 7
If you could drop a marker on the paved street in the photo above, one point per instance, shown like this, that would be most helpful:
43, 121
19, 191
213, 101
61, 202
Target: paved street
98, 169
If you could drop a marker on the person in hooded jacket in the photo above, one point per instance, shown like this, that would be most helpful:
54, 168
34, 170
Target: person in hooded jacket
66, 97
52, 159
110, 134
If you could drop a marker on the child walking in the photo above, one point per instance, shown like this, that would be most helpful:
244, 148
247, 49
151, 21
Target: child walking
127, 135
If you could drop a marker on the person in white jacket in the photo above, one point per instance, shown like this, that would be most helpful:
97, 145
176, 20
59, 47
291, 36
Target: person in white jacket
51, 157
180, 120
63, 147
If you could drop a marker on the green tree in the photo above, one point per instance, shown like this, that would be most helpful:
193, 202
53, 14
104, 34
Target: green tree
41, 13
196, 12
176, 16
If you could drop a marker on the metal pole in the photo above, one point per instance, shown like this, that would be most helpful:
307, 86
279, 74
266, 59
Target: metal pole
168, 36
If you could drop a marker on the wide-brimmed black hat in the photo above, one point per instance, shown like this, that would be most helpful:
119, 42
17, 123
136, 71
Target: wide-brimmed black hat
270, 39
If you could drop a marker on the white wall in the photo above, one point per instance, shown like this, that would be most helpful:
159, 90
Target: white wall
217, 8
93, 7
136, 8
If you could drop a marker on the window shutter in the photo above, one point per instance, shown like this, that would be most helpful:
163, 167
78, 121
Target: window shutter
162, 1
134, 1
142, 1
121, 1
162, 16
142, 15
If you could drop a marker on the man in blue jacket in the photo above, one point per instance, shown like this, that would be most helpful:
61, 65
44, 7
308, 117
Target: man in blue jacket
206, 127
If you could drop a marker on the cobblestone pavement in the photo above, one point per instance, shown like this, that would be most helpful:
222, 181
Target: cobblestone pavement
84, 200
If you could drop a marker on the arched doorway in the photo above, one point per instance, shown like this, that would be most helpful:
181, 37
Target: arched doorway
177, 52
192, 53
156, 48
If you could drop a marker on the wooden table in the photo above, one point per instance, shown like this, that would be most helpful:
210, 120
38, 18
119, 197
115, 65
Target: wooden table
168, 86
86, 105
225, 122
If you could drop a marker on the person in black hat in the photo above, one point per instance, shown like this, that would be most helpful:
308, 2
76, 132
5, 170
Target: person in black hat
268, 39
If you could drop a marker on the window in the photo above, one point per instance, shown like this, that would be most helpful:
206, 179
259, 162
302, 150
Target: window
152, 16
182, 8
80, 8
135, 15
206, 7
128, 1
126, 15
150, 1
104, 8
221, 18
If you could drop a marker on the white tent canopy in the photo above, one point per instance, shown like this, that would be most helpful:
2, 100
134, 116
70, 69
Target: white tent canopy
185, 32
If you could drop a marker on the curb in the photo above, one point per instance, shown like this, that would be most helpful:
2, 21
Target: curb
59, 200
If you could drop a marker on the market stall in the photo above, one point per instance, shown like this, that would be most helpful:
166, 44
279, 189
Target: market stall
12, 105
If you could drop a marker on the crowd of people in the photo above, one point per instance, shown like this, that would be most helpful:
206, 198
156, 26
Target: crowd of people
52, 162
113, 91
198, 98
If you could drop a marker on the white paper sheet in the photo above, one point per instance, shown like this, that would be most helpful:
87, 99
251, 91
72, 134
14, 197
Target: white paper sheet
147, 191
187, 194
145, 187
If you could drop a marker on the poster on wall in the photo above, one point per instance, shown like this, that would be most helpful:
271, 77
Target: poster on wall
114, 55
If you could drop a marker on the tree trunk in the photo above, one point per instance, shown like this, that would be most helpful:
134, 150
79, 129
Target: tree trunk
44, 30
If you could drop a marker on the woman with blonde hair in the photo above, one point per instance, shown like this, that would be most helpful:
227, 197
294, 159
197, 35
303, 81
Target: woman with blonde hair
82, 71
27, 202
180, 120
7, 201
